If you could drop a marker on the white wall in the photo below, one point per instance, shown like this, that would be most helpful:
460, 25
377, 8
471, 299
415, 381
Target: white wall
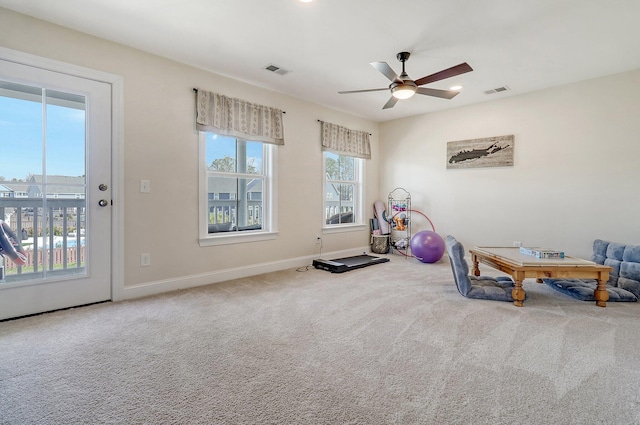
161, 145
576, 168
574, 179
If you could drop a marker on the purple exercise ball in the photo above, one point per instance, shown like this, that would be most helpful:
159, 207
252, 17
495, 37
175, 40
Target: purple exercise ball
427, 246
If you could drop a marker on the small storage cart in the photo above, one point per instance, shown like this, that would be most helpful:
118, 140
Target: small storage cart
399, 215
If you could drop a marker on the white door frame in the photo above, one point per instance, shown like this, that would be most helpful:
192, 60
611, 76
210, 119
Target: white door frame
117, 149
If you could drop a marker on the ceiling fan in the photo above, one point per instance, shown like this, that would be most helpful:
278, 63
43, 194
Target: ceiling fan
402, 87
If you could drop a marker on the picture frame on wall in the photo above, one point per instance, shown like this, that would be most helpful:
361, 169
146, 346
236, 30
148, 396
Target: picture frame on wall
478, 153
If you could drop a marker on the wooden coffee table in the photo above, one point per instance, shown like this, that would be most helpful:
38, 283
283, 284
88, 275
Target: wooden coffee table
521, 266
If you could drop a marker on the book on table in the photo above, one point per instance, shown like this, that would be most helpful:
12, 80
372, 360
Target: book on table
541, 252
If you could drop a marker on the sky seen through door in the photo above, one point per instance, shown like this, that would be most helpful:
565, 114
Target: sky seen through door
21, 137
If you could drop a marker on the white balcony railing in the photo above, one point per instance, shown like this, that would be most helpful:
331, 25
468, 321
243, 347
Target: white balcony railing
52, 234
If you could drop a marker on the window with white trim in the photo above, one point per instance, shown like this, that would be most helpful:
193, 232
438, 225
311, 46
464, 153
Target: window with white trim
343, 189
236, 189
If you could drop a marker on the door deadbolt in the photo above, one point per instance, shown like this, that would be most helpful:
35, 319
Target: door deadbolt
103, 187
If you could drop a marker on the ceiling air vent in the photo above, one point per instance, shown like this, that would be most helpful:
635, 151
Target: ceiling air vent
497, 90
276, 69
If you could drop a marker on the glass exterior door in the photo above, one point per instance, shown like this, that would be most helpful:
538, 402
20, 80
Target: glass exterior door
55, 138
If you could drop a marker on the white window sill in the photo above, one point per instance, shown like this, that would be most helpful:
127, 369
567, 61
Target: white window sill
341, 228
235, 238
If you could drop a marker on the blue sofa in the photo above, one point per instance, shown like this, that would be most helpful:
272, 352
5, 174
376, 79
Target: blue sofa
624, 279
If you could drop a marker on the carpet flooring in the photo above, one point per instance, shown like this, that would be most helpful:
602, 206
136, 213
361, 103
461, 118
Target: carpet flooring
389, 344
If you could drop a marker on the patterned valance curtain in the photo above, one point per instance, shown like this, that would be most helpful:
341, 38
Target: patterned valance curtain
343, 141
239, 118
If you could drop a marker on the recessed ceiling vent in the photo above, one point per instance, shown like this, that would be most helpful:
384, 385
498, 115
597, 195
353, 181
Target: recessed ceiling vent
497, 90
276, 69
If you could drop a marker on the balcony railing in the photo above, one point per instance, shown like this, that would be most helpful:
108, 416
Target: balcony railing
52, 233
223, 215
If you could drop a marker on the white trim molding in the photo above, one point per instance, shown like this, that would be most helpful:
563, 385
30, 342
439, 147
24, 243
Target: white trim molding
185, 282
117, 148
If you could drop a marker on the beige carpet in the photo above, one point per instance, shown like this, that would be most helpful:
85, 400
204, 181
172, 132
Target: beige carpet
389, 344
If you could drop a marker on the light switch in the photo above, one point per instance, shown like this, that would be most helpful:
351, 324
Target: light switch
145, 186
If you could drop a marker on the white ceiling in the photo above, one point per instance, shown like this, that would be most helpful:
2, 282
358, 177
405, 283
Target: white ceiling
328, 44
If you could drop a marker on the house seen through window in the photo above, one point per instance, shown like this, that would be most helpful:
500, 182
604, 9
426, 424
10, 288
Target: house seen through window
343, 188
237, 182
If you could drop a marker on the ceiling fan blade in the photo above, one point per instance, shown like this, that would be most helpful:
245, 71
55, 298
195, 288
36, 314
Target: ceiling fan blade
446, 73
444, 94
390, 103
362, 91
385, 69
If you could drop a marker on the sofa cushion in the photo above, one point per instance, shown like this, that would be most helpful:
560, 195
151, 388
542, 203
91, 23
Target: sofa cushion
615, 251
629, 278
614, 274
599, 251
459, 266
583, 289
631, 254
630, 285
489, 288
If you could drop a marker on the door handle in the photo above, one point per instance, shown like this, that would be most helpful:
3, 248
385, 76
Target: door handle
103, 202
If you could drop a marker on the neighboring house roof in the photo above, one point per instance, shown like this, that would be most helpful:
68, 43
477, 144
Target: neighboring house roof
58, 184
55, 185
14, 187
228, 185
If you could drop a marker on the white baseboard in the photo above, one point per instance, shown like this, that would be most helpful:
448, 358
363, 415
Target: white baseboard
160, 286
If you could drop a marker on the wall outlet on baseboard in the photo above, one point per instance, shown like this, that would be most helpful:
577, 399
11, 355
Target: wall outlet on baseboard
517, 244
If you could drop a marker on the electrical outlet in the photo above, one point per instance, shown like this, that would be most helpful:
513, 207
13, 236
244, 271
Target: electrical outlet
318, 239
145, 260
517, 244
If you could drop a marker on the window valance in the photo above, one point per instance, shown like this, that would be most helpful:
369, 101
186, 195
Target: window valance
239, 118
343, 141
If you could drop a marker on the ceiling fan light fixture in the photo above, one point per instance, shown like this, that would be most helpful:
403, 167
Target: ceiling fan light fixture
404, 90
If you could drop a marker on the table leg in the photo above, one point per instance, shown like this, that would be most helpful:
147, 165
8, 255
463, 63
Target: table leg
476, 268
517, 293
600, 294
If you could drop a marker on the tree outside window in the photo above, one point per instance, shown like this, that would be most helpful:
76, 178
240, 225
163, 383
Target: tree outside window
342, 185
235, 183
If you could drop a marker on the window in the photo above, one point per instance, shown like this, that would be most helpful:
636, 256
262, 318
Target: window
343, 189
236, 190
